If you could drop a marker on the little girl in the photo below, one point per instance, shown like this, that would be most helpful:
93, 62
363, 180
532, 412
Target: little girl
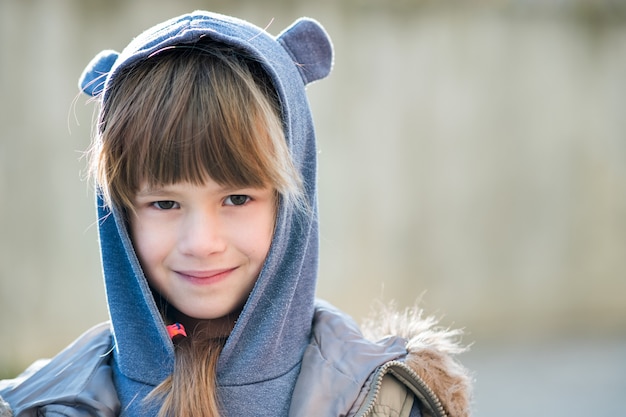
205, 165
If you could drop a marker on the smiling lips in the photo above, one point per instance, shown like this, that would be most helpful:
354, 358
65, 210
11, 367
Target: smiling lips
205, 277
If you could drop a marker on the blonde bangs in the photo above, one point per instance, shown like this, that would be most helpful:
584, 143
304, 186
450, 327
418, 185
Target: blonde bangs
190, 113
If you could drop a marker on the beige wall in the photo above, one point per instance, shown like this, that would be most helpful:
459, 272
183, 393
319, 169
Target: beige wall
473, 158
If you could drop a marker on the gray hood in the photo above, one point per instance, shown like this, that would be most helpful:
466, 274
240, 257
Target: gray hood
264, 351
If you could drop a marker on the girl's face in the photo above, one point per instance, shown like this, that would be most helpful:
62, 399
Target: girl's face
203, 246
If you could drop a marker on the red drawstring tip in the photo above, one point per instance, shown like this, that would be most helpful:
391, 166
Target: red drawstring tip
176, 329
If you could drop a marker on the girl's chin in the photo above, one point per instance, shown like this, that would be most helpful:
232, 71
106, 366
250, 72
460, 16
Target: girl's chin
208, 324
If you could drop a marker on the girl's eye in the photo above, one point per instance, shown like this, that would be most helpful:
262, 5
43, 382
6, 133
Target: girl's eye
236, 200
165, 204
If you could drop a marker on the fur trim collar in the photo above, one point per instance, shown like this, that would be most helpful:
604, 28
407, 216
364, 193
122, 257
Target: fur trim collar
432, 353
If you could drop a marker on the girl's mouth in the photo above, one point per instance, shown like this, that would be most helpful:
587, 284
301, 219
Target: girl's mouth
206, 277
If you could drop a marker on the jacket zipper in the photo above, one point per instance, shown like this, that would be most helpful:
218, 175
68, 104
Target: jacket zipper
412, 380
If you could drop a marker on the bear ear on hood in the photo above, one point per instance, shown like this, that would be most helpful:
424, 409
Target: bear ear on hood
309, 45
91, 81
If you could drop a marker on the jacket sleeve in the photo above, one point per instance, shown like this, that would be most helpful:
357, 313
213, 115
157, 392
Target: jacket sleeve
75, 383
5, 409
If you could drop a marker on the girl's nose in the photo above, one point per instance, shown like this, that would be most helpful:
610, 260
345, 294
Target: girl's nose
202, 235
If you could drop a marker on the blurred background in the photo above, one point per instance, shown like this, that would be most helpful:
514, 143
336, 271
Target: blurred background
472, 159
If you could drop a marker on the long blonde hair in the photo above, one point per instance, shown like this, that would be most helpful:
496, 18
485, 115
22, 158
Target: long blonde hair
191, 389
182, 115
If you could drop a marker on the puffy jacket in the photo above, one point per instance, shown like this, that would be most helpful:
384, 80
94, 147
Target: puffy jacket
78, 382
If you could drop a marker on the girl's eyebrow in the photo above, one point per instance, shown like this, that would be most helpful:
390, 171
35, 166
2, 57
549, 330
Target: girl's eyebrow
150, 191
